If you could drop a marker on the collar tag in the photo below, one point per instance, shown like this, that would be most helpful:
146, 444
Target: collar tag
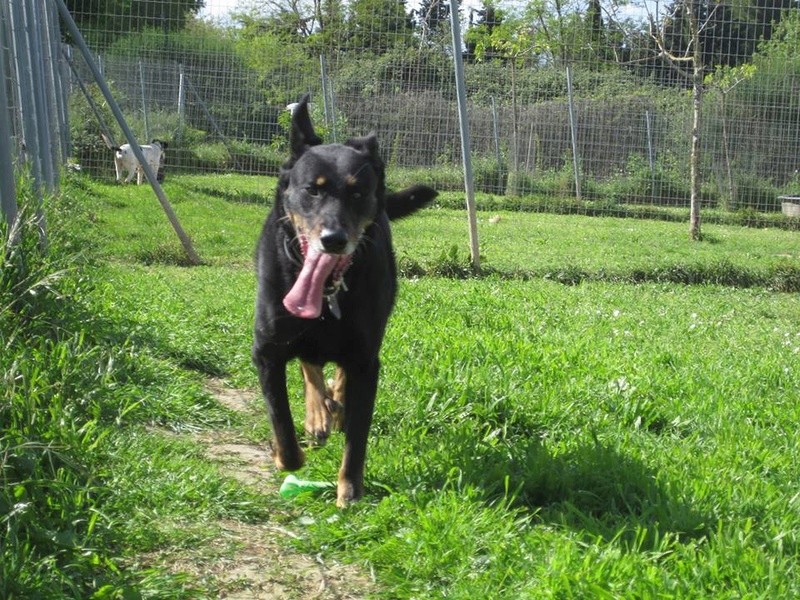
333, 304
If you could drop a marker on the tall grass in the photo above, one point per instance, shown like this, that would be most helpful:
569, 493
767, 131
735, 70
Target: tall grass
75, 391
48, 487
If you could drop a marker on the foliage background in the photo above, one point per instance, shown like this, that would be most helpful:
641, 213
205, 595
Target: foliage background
218, 88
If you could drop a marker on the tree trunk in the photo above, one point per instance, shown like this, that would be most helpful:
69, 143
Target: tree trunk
513, 187
697, 109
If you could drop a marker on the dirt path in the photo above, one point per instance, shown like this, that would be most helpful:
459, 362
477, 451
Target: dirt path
252, 562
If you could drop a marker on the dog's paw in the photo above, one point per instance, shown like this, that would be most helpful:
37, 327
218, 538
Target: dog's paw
317, 427
288, 460
322, 418
334, 405
348, 491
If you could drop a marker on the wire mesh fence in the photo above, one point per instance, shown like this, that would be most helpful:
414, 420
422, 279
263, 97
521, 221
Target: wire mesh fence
614, 137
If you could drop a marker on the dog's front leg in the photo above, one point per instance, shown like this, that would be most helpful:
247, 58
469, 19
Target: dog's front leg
361, 385
285, 450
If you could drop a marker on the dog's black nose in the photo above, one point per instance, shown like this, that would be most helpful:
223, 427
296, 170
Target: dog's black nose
333, 241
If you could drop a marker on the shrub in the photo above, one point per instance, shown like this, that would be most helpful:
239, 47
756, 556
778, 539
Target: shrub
754, 193
88, 148
489, 175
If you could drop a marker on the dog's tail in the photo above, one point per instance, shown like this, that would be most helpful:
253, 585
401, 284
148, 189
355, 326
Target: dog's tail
109, 142
408, 201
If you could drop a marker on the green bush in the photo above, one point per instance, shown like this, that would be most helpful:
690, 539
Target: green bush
754, 193
490, 175
244, 157
88, 148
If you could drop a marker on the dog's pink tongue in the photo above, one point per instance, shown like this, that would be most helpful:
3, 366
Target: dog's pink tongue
304, 300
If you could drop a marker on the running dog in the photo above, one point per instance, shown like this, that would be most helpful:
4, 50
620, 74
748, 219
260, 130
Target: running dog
125, 161
326, 287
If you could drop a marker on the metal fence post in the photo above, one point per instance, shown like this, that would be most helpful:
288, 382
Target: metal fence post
181, 105
90, 101
228, 146
144, 102
40, 99
58, 73
463, 120
27, 95
8, 192
573, 127
29, 144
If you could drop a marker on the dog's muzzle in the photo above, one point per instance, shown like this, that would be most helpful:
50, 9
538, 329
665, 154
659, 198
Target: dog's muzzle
321, 276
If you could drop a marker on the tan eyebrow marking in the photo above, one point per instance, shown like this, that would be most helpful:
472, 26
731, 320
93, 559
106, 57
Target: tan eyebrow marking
320, 181
351, 180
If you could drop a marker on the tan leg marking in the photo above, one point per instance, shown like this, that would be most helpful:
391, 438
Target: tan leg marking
284, 465
318, 417
348, 492
335, 398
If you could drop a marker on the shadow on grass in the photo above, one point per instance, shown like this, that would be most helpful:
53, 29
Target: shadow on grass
776, 278
234, 196
592, 488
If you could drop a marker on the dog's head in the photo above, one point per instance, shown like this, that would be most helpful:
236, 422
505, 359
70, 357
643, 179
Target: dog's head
160, 146
330, 194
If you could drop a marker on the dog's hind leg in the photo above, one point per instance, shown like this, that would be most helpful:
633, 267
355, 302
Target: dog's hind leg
361, 385
334, 396
320, 411
285, 450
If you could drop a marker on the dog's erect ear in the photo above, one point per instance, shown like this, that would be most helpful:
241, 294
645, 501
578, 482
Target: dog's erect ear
367, 145
303, 135
408, 201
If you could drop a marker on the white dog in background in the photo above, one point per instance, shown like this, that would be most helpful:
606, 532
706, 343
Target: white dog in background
125, 161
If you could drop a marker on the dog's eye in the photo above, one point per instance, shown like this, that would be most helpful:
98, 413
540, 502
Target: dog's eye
312, 190
357, 196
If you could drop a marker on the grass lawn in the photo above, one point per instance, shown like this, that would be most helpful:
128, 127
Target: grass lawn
531, 439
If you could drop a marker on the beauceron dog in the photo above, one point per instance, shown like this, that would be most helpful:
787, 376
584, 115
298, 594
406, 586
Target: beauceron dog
326, 287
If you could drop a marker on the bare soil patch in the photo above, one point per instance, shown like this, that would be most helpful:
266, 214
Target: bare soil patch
253, 561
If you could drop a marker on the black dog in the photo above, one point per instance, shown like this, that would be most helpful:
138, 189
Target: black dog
326, 287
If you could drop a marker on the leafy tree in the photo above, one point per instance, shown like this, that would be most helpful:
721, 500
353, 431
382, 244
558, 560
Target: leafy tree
378, 25
103, 21
688, 61
759, 138
432, 16
483, 37
280, 57
730, 34
559, 29
599, 36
